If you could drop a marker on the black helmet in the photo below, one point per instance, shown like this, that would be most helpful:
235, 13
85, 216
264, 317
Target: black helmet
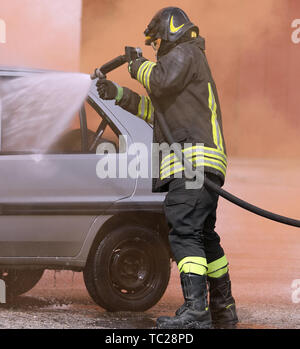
169, 24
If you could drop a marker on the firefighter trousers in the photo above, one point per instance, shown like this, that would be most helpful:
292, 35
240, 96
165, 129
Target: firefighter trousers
191, 215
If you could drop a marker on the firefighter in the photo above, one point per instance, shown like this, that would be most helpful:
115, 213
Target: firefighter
180, 83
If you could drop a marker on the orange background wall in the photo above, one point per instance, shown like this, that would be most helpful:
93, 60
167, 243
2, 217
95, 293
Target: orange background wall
41, 33
255, 64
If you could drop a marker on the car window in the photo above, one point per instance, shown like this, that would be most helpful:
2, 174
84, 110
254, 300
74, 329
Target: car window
68, 142
89, 128
100, 128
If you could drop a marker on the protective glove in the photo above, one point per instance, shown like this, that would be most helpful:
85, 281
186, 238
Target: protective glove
134, 66
106, 89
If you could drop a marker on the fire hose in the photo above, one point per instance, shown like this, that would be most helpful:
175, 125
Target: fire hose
132, 53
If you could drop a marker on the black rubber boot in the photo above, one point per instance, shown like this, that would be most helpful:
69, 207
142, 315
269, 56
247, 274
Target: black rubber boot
194, 313
221, 302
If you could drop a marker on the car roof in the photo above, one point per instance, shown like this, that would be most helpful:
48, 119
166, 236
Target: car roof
14, 70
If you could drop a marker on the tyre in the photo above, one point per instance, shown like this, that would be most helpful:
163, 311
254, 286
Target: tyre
129, 270
20, 281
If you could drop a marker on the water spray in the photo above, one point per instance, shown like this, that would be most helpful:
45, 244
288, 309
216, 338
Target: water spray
132, 53
36, 109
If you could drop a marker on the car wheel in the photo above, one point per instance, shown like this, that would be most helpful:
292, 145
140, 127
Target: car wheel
129, 270
20, 281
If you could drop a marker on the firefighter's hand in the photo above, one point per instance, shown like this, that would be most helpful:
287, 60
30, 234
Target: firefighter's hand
106, 89
133, 66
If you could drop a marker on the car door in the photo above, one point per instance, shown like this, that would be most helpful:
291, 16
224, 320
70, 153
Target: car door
48, 201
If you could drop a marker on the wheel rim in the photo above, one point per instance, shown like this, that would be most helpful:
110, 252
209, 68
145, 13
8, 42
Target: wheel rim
131, 268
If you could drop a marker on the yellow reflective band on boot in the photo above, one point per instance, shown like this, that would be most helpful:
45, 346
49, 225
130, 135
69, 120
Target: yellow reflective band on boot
195, 265
217, 268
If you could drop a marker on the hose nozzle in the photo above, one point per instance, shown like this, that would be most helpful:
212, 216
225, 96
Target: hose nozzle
97, 74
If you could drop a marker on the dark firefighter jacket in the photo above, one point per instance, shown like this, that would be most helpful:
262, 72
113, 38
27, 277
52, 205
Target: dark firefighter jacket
181, 84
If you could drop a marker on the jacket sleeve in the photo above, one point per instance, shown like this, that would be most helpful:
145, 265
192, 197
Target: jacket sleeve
169, 75
135, 104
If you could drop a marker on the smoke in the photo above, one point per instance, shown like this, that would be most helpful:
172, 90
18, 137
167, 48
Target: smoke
248, 48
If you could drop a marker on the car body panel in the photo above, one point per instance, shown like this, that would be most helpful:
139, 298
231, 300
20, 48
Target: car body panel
52, 206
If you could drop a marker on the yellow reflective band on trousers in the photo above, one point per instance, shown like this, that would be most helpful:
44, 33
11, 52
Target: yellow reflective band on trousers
199, 155
144, 72
217, 268
217, 135
145, 109
195, 265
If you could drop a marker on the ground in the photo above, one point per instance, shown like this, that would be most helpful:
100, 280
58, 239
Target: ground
263, 255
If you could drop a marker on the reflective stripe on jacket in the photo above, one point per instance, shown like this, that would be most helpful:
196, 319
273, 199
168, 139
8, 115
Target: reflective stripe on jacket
182, 86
